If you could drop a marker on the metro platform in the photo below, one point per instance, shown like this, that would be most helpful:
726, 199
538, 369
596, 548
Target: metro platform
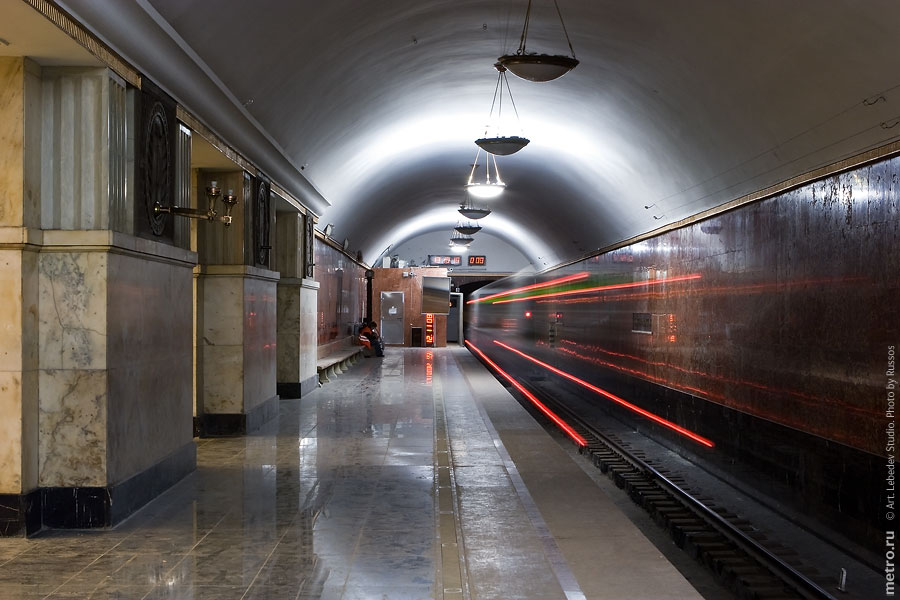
416, 475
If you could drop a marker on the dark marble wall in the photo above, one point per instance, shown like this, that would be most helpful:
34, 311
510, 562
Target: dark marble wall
765, 329
342, 294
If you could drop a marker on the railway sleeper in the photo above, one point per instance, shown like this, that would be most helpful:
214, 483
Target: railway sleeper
648, 498
774, 591
696, 547
680, 532
715, 559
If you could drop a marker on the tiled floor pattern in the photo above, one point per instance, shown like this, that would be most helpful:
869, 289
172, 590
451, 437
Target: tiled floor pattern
339, 498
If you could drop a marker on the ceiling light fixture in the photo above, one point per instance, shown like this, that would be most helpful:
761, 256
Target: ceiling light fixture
470, 212
539, 67
458, 239
467, 228
488, 189
499, 144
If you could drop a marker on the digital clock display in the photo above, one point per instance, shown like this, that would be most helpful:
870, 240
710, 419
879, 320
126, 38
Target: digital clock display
477, 260
439, 260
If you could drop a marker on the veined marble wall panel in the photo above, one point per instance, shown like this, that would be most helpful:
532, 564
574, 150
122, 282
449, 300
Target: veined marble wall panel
73, 310
259, 341
72, 427
19, 189
12, 138
75, 148
289, 330
11, 371
309, 333
297, 334
221, 353
10, 432
30, 368
150, 362
73, 379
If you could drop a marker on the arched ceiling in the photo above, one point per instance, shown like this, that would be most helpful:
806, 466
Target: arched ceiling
679, 106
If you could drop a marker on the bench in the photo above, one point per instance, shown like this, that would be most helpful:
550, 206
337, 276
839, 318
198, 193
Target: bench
336, 357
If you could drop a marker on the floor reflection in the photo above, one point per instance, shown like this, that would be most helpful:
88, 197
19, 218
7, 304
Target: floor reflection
334, 499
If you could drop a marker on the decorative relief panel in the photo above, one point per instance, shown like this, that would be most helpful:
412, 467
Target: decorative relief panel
156, 163
309, 242
262, 223
155, 166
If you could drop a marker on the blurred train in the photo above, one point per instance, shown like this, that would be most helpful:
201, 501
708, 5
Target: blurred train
754, 343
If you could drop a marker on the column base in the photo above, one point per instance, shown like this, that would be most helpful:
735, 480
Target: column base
93, 507
215, 424
20, 514
300, 389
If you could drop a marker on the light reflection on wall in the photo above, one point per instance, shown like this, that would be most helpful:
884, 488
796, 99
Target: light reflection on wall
777, 309
342, 293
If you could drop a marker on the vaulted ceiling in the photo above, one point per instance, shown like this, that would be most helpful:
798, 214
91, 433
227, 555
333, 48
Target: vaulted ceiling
679, 106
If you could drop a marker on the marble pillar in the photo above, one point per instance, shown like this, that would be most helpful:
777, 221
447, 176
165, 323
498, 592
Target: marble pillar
95, 324
297, 337
20, 239
236, 348
114, 374
297, 306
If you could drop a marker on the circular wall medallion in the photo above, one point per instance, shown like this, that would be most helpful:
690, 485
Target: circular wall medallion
157, 182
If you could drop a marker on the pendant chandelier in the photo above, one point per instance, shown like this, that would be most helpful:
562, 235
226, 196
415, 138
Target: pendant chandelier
458, 239
539, 67
467, 228
488, 189
471, 212
501, 145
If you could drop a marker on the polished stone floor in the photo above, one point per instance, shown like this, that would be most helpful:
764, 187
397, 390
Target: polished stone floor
411, 476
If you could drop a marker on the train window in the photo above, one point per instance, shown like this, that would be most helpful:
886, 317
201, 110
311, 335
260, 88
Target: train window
641, 323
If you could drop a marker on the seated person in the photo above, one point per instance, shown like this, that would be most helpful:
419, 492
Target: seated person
373, 341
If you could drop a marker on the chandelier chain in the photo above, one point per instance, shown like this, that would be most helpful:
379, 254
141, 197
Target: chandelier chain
523, 38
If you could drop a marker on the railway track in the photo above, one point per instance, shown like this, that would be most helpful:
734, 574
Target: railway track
739, 555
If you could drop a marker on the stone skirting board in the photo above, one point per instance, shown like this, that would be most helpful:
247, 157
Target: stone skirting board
92, 507
20, 514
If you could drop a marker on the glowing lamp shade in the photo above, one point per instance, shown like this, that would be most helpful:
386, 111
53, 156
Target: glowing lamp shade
485, 191
468, 229
470, 212
538, 67
502, 146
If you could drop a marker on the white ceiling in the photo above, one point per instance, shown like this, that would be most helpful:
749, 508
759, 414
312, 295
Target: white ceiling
677, 105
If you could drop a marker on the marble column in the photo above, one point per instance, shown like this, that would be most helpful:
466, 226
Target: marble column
20, 239
236, 348
114, 374
297, 337
95, 323
297, 306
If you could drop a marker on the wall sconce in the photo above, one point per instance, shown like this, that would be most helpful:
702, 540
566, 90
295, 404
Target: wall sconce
212, 192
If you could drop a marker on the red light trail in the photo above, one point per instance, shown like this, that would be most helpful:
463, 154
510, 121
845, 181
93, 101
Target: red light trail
602, 288
614, 398
540, 405
536, 286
